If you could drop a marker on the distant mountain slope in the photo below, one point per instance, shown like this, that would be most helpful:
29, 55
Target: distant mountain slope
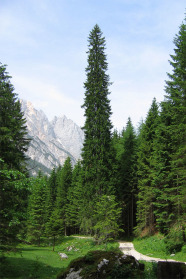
52, 142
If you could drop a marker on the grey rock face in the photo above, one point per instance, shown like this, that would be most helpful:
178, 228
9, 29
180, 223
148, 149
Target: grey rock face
52, 142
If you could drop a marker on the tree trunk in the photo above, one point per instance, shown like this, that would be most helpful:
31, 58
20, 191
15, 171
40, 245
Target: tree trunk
54, 242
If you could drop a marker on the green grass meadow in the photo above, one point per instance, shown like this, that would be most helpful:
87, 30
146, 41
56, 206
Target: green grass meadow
154, 246
31, 261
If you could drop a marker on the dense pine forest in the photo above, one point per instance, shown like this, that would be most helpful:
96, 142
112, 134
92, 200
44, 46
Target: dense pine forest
128, 183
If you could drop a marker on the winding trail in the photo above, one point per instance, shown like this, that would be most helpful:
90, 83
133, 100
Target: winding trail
128, 249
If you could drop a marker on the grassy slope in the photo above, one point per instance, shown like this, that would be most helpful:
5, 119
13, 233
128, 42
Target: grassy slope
154, 246
42, 262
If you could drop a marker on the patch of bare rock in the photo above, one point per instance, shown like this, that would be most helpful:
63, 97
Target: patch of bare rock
103, 264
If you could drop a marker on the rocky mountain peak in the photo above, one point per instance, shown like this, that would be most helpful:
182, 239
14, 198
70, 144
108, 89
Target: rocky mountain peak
52, 142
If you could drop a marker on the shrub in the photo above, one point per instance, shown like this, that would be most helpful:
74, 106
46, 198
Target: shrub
174, 240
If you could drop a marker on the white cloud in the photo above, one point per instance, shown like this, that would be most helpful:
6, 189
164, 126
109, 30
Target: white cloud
48, 97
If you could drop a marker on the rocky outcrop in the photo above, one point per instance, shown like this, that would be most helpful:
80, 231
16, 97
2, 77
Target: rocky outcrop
69, 134
103, 264
51, 141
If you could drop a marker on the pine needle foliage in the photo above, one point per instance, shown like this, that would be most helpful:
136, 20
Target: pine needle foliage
171, 141
14, 140
96, 152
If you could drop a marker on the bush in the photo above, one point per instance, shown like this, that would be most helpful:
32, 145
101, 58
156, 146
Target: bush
107, 214
174, 239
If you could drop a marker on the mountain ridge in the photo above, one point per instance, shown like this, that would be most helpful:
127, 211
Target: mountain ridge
51, 141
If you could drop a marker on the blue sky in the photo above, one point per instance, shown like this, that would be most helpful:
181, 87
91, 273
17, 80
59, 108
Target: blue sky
44, 44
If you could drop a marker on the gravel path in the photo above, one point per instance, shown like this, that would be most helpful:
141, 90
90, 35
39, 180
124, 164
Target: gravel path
128, 249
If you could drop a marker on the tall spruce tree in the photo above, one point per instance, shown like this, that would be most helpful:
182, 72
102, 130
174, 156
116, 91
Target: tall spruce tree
63, 184
96, 152
171, 134
145, 165
75, 197
128, 178
36, 210
51, 193
13, 144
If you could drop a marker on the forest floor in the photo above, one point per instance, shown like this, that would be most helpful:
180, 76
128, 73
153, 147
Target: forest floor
128, 249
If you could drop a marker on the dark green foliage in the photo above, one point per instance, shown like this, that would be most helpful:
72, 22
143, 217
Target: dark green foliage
170, 146
145, 166
13, 140
161, 155
64, 180
13, 205
51, 193
118, 142
174, 240
37, 210
75, 200
58, 184
55, 226
13, 144
97, 152
52, 225
107, 213
97, 145
127, 189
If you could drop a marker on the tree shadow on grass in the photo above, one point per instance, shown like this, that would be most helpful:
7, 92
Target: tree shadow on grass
32, 248
48, 242
26, 269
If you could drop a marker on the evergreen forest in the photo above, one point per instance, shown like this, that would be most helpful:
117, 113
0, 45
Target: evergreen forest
127, 183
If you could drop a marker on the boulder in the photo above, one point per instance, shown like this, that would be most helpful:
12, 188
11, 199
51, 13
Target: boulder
63, 256
103, 264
